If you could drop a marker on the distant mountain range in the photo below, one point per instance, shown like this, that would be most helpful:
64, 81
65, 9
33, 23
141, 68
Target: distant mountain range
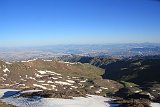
96, 50
146, 49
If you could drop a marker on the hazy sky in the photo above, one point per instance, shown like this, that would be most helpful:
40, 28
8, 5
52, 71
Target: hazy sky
47, 22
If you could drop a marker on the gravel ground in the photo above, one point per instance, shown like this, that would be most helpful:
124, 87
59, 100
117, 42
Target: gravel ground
3, 104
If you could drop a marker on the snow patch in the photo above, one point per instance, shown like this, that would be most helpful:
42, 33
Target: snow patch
29, 60
23, 79
41, 81
6, 84
45, 84
70, 81
6, 69
42, 72
5, 75
90, 101
8, 63
104, 88
84, 80
50, 82
74, 86
7, 92
40, 86
31, 91
31, 78
3, 78
54, 78
47, 60
62, 83
155, 105
38, 76
75, 77
50, 72
91, 86
59, 77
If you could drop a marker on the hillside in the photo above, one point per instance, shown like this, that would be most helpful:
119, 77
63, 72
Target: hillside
56, 76
138, 74
139, 71
98, 61
123, 79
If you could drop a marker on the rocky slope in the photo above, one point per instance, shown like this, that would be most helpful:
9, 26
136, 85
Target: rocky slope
124, 79
138, 75
55, 76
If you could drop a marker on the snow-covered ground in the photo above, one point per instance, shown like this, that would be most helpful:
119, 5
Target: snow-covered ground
9, 96
155, 104
7, 92
90, 101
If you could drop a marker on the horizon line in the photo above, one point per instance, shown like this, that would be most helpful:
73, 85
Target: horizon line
34, 46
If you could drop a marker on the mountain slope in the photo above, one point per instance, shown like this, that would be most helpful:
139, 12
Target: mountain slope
138, 71
56, 76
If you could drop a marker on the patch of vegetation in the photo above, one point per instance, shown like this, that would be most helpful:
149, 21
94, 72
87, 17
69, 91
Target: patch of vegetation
128, 84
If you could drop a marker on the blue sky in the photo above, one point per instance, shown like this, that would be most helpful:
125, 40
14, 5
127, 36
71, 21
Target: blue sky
49, 22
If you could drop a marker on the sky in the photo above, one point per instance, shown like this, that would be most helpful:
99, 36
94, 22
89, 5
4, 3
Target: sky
49, 22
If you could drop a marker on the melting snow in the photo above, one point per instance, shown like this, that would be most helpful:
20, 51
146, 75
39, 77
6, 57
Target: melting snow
74, 86
53, 86
70, 81
84, 80
47, 60
40, 86
3, 78
41, 81
50, 82
155, 104
31, 91
62, 83
23, 79
56, 73
7, 92
45, 84
73, 63
54, 78
23, 61
90, 101
104, 88
29, 60
37, 75
42, 72
8, 63
97, 92
7, 84
75, 77
59, 77
6, 69
91, 86
5, 75
31, 78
